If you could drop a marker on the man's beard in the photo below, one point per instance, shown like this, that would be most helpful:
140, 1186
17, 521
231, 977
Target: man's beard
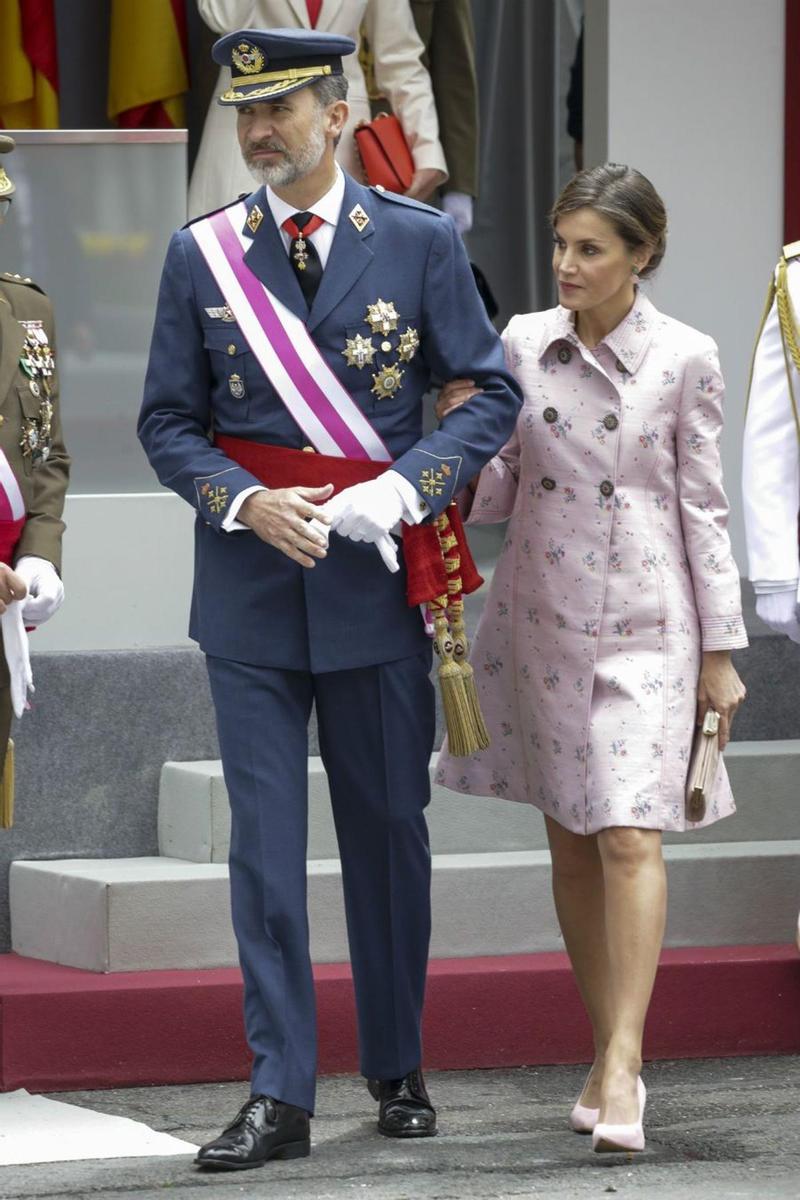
293, 166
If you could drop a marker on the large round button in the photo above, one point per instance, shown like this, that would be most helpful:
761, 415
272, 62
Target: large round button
550, 415
607, 488
564, 354
231, 349
548, 484
610, 421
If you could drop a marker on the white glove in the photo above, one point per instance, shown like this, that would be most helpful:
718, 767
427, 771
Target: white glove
15, 647
368, 512
458, 205
779, 611
45, 589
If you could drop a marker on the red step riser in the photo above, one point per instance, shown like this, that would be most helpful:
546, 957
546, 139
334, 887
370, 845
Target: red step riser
62, 1029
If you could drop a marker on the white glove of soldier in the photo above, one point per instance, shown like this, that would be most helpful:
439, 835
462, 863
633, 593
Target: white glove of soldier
45, 589
368, 512
458, 205
15, 647
779, 611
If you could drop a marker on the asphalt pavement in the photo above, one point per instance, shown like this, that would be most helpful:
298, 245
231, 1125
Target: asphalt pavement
717, 1129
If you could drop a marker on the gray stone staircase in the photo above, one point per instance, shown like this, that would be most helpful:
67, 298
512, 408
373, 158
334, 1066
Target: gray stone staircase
736, 882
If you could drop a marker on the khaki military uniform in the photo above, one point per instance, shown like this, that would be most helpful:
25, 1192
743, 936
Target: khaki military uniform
37, 458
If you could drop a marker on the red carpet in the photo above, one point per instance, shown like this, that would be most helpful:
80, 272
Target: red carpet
64, 1029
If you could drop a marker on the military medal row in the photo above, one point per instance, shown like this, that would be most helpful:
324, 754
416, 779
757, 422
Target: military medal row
383, 319
38, 364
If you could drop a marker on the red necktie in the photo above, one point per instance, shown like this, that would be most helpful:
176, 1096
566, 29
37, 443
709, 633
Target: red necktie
313, 7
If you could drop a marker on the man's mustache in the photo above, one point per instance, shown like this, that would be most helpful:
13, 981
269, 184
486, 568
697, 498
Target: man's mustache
252, 147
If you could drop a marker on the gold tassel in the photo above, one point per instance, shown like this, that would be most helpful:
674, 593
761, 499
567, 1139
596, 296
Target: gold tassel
461, 653
466, 728
7, 789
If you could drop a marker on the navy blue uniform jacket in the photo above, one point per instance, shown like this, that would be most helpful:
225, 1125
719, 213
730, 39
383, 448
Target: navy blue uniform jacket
250, 602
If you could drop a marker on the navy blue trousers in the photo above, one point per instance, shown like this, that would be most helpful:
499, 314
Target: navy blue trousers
376, 729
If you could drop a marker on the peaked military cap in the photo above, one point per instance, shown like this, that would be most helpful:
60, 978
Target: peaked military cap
268, 63
7, 188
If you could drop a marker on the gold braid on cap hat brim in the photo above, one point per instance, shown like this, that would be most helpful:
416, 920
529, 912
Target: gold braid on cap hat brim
277, 81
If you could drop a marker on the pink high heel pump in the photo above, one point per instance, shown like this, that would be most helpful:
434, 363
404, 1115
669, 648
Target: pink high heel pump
607, 1138
583, 1119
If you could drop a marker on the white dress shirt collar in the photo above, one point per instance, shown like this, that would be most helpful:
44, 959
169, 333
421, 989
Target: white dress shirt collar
329, 206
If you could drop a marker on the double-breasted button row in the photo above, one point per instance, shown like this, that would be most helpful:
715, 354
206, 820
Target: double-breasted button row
606, 487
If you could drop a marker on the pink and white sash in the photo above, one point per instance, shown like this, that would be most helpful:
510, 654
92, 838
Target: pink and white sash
314, 397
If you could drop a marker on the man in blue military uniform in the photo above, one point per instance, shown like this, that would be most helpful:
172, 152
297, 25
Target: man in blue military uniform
310, 316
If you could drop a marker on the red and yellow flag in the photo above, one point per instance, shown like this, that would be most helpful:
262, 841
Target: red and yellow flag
147, 71
28, 65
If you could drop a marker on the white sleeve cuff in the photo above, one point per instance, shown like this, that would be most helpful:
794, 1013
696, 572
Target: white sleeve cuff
230, 524
415, 510
766, 587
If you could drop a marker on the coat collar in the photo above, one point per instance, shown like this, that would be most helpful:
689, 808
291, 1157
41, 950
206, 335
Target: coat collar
349, 257
629, 342
350, 253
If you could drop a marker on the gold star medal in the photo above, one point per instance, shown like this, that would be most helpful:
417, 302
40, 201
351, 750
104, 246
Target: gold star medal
409, 344
359, 351
383, 316
387, 382
254, 219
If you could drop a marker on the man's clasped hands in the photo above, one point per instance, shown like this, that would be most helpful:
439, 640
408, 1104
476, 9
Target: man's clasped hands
298, 520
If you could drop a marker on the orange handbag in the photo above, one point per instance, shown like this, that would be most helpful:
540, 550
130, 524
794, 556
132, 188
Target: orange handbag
384, 153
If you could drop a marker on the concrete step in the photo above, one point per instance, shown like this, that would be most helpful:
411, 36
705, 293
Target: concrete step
194, 819
159, 913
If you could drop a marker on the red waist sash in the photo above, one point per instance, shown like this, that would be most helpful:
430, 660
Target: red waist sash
10, 533
280, 467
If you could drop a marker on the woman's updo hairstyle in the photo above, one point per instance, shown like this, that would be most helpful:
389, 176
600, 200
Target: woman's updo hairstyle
627, 199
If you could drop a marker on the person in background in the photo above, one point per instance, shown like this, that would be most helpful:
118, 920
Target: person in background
34, 473
220, 175
448, 35
613, 609
771, 456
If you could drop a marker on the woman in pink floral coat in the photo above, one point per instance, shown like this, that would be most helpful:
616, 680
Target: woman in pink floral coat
613, 608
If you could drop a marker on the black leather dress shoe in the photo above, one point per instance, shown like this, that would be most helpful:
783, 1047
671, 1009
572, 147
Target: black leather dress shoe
405, 1106
263, 1129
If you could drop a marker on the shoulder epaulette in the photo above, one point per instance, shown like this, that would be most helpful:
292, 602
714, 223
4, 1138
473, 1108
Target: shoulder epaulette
10, 277
379, 190
221, 208
791, 251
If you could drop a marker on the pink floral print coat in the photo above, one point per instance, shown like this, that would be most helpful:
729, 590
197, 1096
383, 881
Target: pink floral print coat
616, 571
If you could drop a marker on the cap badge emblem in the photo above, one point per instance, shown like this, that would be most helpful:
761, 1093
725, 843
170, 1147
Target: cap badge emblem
248, 58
